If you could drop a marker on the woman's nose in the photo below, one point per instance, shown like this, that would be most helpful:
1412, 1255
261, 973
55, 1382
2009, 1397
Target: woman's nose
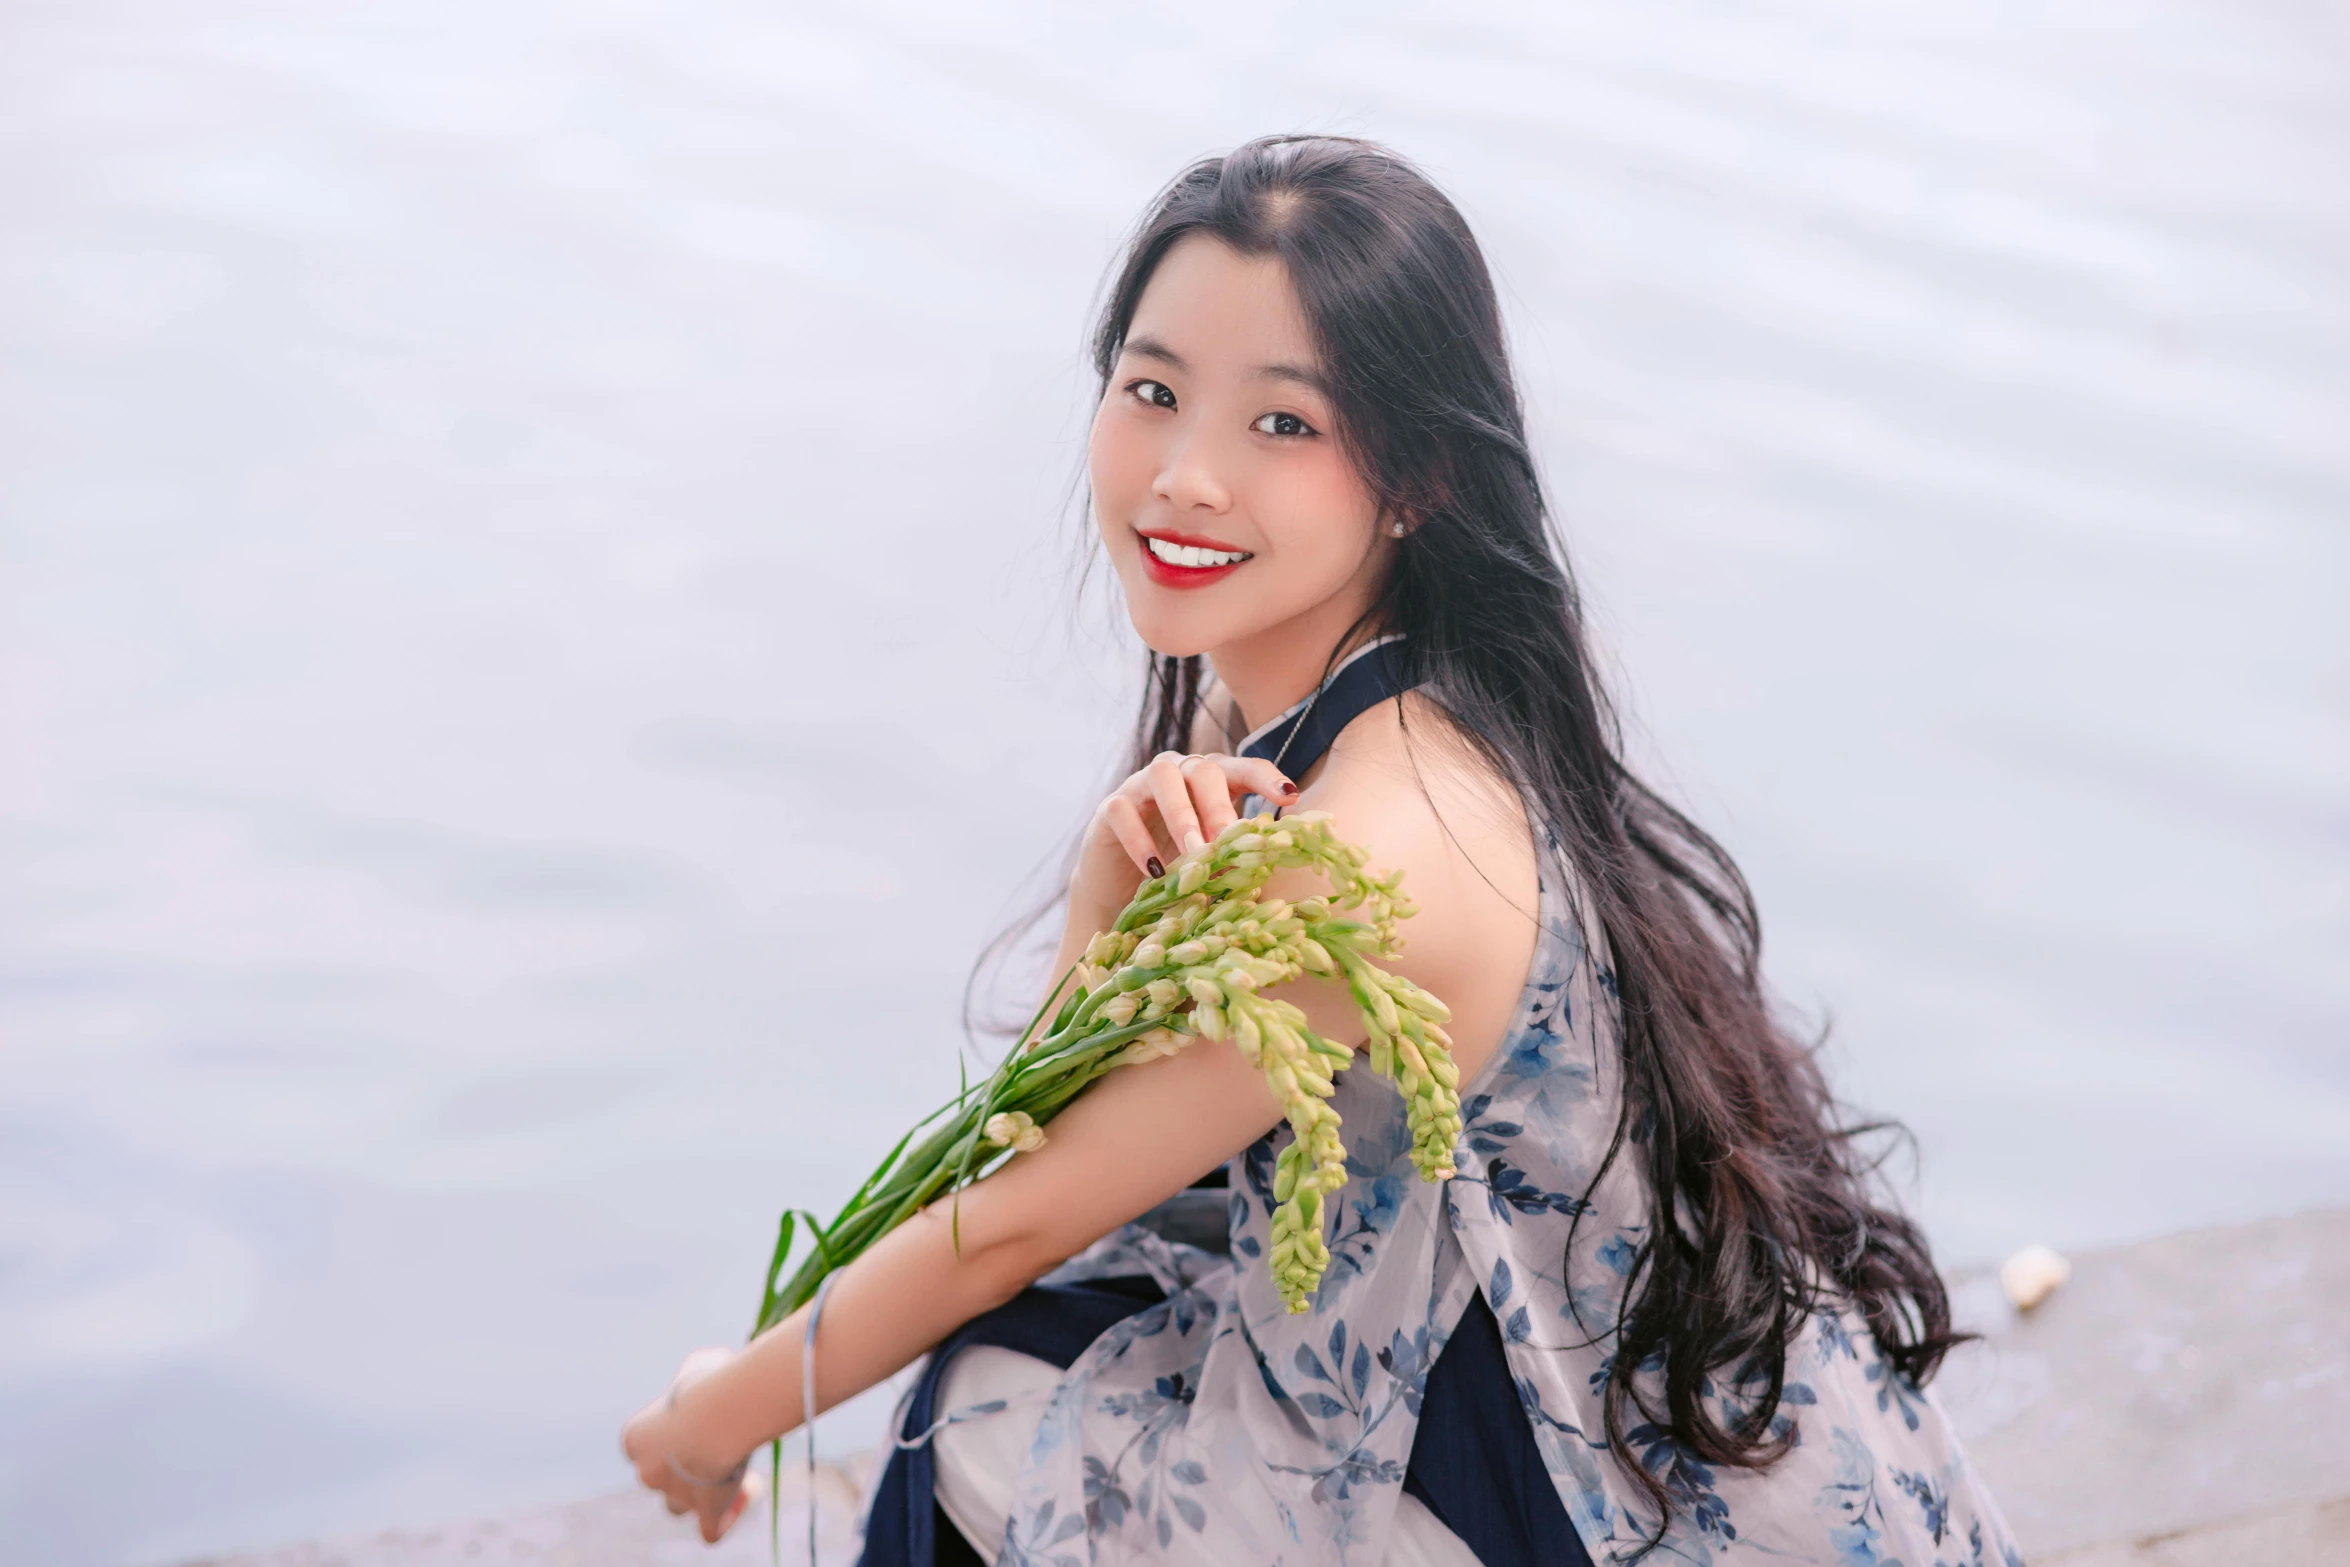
1189, 479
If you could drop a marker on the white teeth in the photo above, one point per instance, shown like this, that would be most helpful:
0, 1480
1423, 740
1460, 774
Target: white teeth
1192, 555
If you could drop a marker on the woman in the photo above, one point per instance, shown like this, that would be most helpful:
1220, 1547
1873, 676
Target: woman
1659, 1311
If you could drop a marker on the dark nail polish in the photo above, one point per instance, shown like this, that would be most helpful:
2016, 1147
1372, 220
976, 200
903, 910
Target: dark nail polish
1287, 787
1154, 867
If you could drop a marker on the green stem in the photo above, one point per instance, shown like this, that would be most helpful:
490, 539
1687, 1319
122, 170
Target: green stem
903, 1186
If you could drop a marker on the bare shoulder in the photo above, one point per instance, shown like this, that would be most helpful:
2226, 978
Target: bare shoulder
1403, 782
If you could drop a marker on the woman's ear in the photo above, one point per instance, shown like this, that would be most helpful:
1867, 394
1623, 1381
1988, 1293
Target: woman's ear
1402, 514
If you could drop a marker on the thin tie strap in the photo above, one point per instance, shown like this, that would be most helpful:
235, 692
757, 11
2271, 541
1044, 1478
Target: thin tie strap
808, 1402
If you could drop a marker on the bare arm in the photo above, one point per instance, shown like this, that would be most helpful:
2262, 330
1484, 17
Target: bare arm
1139, 1135
1131, 1141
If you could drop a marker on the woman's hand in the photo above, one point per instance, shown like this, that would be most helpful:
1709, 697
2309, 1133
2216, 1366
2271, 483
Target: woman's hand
1174, 804
660, 1440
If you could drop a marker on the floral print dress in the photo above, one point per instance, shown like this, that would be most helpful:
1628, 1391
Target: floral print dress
1216, 1427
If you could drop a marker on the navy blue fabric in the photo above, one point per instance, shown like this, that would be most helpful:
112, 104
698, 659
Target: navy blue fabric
1295, 744
1474, 1462
1054, 1323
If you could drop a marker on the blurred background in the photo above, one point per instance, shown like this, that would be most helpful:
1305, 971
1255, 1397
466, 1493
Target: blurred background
542, 625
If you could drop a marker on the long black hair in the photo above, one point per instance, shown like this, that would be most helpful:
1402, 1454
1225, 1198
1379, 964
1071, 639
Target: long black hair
1763, 1203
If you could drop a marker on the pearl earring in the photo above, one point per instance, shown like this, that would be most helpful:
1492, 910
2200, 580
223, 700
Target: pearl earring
1397, 529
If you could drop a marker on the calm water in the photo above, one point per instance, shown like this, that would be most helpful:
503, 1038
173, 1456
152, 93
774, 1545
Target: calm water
538, 639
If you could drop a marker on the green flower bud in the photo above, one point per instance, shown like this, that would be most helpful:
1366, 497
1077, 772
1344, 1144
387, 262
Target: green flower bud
1014, 1129
1246, 1034
1424, 1004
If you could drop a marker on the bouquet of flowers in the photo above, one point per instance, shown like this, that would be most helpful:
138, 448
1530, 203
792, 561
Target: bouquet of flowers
1187, 960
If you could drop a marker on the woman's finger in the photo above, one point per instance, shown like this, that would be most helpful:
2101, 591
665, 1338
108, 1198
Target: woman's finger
1171, 791
1212, 792
1255, 775
1124, 820
639, 1441
717, 1511
746, 1497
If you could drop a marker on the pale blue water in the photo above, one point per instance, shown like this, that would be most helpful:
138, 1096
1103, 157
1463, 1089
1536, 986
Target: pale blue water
535, 643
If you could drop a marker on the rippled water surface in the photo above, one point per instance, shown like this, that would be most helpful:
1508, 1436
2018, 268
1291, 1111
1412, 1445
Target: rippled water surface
536, 632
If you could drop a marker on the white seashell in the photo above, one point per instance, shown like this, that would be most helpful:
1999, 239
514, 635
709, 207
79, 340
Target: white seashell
2032, 1275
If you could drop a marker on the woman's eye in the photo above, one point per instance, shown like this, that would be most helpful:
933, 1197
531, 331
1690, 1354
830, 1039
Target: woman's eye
1155, 393
1282, 424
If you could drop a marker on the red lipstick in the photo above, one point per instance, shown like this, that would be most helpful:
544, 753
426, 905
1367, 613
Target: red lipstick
1168, 574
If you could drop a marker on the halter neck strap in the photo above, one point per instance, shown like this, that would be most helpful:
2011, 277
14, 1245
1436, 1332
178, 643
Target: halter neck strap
1296, 740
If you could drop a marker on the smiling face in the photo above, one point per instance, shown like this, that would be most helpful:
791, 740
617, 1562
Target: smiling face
1227, 506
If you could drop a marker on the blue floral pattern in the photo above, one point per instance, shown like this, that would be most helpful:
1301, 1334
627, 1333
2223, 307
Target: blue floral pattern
1216, 1427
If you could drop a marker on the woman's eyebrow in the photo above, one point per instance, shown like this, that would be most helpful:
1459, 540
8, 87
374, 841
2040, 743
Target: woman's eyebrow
1303, 375
1152, 348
